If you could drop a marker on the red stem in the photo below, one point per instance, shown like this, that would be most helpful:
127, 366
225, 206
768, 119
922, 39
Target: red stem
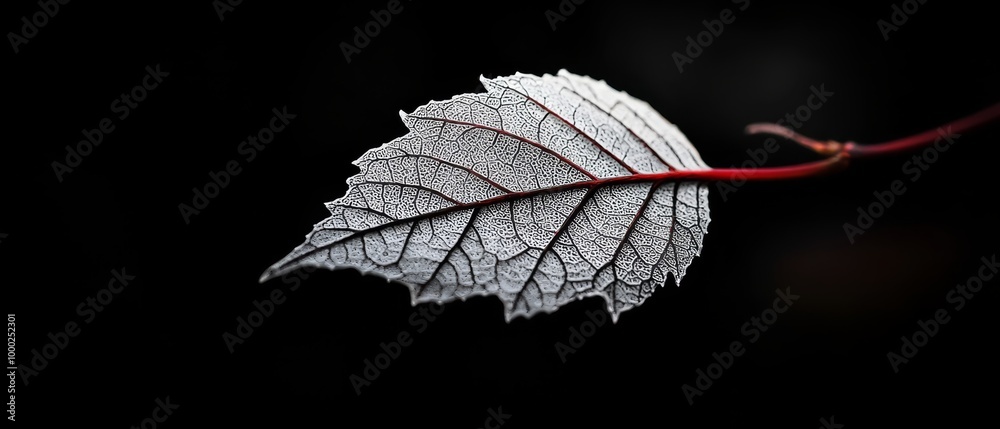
837, 153
982, 117
831, 147
775, 173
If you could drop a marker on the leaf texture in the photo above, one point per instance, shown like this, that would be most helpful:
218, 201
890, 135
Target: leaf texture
522, 192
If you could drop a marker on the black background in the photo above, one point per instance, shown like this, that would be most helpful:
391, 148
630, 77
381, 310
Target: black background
162, 336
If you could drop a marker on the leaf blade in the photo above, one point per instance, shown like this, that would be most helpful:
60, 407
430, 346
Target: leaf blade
467, 204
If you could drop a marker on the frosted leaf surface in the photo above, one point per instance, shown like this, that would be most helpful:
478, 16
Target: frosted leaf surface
516, 193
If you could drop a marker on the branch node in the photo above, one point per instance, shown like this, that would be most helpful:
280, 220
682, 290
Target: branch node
825, 148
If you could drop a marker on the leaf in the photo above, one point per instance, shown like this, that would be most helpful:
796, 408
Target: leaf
531, 192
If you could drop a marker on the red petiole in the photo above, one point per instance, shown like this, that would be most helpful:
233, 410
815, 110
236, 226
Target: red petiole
839, 153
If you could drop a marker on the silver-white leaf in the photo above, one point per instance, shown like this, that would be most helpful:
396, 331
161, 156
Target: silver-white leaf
507, 193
